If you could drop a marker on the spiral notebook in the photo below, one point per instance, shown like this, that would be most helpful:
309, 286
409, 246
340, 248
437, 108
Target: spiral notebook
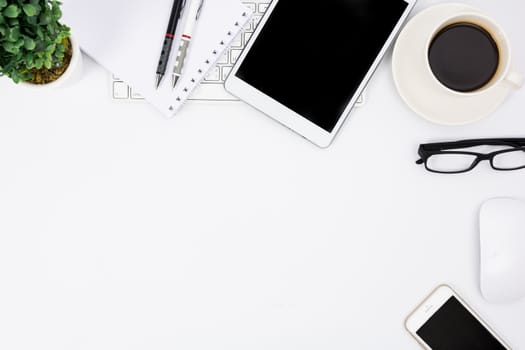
126, 36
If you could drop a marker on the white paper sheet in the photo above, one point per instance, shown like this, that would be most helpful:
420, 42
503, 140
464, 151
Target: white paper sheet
126, 36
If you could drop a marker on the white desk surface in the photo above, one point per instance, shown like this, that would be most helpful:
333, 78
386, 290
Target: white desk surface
220, 229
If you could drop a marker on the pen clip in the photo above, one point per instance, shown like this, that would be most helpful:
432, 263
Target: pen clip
200, 8
182, 8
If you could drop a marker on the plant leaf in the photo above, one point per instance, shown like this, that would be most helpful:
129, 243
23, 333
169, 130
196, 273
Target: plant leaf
29, 10
11, 11
10, 47
45, 18
29, 44
13, 34
39, 62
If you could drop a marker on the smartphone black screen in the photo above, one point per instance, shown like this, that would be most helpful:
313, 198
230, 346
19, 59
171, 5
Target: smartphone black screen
453, 327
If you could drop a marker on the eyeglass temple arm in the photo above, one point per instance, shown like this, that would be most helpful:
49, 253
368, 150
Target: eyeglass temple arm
441, 146
423, 154
428, 149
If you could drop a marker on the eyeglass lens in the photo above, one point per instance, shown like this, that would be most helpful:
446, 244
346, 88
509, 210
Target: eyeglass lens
459, 162
511, 160
450, 162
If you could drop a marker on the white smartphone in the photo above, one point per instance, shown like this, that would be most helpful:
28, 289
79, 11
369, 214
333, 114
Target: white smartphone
309, 61
445, 322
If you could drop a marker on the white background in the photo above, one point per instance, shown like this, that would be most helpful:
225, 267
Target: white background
220, 229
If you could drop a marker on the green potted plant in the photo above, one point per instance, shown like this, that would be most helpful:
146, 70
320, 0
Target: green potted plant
35, 48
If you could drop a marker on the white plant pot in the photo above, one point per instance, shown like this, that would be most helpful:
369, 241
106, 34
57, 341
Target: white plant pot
71, 75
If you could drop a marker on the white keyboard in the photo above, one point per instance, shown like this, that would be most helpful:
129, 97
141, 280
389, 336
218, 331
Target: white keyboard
212, 87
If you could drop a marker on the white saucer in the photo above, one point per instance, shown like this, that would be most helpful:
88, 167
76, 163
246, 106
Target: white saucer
421, 91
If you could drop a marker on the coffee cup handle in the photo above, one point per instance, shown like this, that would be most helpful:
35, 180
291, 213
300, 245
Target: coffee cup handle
515, 79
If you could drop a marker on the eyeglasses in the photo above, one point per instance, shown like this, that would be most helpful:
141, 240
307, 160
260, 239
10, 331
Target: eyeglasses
449, 158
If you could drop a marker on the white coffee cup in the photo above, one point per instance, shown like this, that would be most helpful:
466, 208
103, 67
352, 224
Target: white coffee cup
505, 73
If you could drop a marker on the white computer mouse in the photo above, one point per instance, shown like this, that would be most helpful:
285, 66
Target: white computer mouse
502, 235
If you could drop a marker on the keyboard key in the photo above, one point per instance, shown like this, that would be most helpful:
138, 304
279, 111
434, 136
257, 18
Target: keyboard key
256, 20
247, 37
223, 59
234, 55
225, 72
237, 42
263, 7
252, 6
135, 95
215, 74
120, 90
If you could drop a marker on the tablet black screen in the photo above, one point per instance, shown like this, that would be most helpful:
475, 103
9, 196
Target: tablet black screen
311, 56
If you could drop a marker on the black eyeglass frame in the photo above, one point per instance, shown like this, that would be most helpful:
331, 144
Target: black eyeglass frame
426, 151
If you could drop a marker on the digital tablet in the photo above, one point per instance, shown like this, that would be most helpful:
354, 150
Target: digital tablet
308, 61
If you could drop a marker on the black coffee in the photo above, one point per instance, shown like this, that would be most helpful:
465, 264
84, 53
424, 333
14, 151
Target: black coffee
464, 57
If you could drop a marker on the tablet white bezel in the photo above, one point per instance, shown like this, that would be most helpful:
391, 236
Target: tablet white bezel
283, 114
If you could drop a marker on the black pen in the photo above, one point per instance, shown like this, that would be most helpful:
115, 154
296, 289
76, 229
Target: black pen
176, 11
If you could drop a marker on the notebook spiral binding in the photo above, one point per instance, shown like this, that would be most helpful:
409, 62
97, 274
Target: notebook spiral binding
215, 55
